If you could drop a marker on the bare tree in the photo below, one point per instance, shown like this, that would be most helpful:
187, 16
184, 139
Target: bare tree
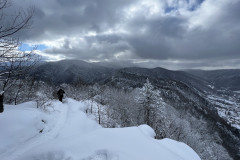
13, 63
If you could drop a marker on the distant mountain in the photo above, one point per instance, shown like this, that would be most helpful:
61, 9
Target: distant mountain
191, 93
161, 73
71, 71
77, 71
228, 78
116, 65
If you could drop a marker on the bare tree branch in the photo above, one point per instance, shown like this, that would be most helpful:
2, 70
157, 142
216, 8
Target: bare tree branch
14, 64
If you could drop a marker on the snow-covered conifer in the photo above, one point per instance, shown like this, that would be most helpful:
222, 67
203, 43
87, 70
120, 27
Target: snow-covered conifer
149, 99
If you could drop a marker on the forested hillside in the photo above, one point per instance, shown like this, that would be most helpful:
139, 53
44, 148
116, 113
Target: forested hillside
185, 108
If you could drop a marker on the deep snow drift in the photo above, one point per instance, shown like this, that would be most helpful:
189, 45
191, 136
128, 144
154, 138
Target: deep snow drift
65, 132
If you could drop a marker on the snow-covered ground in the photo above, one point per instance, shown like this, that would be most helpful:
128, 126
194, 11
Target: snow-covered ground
65, 132
228, 109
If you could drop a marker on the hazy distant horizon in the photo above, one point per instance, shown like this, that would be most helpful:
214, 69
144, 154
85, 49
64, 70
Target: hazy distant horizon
128, 64
181, 34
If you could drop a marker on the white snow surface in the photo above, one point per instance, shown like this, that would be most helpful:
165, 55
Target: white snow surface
65, 132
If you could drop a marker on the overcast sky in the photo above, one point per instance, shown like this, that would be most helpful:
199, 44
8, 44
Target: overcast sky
174, 34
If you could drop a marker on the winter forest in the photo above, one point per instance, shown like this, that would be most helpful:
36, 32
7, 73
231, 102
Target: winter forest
102, 100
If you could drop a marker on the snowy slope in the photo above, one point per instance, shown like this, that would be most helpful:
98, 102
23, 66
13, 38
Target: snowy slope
65, 132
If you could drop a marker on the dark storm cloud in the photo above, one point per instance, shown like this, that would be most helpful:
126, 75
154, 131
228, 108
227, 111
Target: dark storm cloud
191, 32
60, 17
169, 37
214, 44
156, 41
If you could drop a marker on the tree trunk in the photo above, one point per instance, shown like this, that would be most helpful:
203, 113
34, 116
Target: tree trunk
147, 115
16, 97
1, 103
91, 106
99, 116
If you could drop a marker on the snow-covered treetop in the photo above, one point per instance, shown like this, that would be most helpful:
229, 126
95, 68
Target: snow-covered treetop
148, 95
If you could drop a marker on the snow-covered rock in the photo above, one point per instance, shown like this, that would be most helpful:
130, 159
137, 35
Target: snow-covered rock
67, 133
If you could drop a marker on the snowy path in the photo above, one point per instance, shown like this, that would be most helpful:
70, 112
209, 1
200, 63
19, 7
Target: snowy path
69, 134
14, 153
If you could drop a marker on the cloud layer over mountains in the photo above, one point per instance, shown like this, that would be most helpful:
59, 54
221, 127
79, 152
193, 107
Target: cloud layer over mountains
174, 34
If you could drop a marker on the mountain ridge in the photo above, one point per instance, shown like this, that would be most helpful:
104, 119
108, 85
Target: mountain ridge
187, 93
